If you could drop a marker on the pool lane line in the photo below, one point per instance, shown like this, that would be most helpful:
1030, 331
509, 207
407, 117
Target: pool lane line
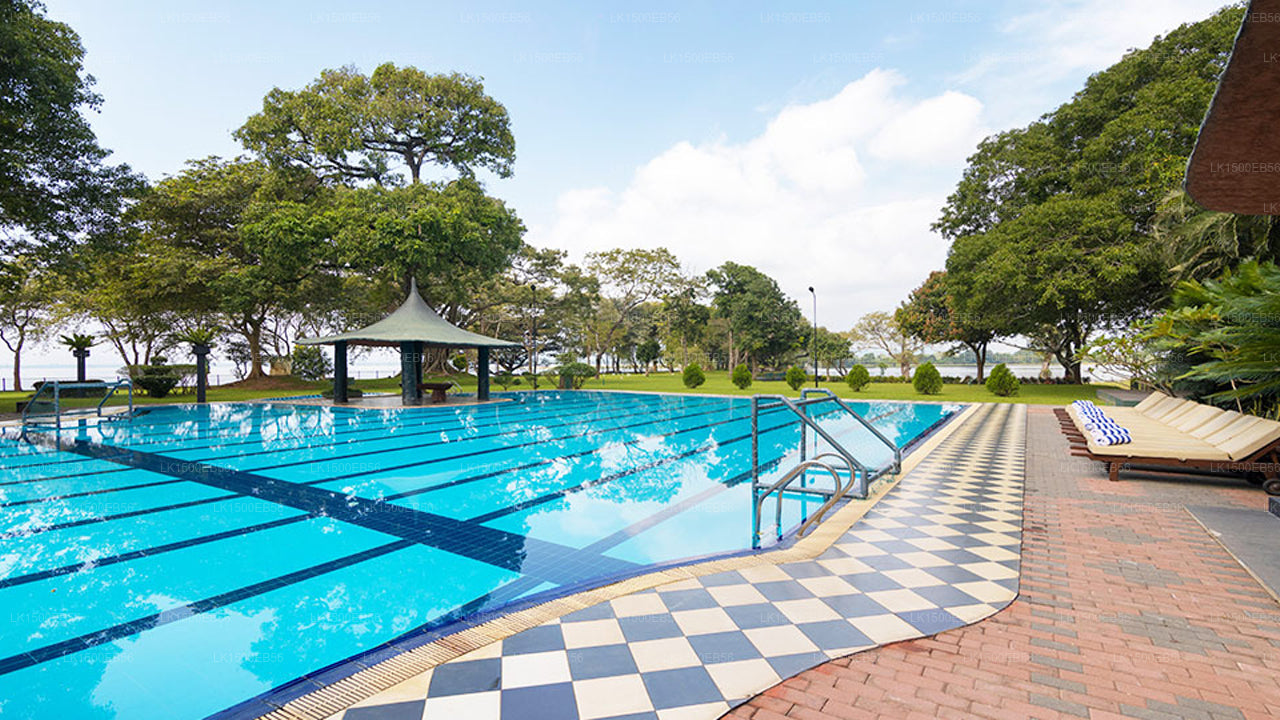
162, 465
56, 650
498, 548
577, 418
365, 423
481, 451
11, 534
86, 493
585, 485
103, 472
528, 466
110, 454
361, 422
62, 477
107, 560
239, 456
218, 536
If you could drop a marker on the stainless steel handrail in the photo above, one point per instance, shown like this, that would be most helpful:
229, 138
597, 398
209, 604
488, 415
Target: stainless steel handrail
828, 395
58, 386
780, 487
786, 402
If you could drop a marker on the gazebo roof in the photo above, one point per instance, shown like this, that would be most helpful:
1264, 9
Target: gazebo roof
413, 321
1236, 163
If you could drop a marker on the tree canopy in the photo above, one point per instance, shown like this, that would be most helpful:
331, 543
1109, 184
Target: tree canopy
352, 127
55, 183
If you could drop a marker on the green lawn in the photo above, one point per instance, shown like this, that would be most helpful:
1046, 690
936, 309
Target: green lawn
717, 383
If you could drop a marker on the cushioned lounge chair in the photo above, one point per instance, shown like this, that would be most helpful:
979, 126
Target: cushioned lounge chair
1171, 434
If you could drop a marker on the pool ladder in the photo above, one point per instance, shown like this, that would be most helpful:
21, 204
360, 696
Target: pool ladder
847, 473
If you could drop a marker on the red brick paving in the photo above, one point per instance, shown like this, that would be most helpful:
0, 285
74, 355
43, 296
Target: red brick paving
1127, 609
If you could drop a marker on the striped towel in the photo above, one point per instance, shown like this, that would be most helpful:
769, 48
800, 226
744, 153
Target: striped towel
1102, 423
1111, 436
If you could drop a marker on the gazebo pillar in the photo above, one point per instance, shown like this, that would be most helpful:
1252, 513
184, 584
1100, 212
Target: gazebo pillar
340, 371
410, 367
482, 374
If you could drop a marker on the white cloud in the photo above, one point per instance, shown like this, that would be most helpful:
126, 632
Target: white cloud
837, 193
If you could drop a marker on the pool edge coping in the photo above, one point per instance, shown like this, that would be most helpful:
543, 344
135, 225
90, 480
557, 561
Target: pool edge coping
332, 699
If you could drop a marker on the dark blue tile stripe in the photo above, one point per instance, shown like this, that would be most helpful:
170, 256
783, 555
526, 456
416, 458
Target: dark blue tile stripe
62, 477
85, 493
146, 552
510, 551
715, 408
549, 497
363, 421
54, 651
372, 421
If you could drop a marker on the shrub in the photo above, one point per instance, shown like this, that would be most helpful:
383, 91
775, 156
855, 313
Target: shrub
693, 376
741, 377
506, 380
575, 375
1002, 381
796, 376
157, 379
857, 378
927, 380
459, 362
311, 363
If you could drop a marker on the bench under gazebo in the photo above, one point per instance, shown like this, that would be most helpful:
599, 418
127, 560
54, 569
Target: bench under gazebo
413, 327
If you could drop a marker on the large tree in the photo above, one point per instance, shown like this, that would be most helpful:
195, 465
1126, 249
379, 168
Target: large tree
233, 239
764, 325
55, 183
881, 331
628, 279
1061, 271
25, 312
933, 314
352, 127
1051, 223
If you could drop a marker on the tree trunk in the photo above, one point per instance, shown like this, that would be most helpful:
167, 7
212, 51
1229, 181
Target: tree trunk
980, 358
17, 367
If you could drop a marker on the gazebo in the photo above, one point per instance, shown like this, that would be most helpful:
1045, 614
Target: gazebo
413, 327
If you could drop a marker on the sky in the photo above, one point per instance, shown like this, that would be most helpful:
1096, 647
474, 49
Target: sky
816, 141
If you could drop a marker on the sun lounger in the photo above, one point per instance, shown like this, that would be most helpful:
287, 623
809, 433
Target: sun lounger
1171, 434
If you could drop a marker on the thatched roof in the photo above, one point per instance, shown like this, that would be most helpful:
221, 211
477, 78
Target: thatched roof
1235, 166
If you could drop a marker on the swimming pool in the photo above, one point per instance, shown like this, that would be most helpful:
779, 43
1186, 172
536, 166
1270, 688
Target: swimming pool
186, 562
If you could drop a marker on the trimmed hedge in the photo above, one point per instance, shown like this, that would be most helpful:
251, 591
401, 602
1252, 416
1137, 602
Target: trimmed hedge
693, 376
741, 377
1002, 381
857, 378
927, 380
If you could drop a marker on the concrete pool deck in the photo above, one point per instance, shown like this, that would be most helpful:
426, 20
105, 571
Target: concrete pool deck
938, 551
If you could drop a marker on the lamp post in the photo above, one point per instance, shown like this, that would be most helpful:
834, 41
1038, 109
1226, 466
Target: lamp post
813, 345
533, 335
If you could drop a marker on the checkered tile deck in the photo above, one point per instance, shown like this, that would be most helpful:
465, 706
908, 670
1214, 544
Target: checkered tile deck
941, 550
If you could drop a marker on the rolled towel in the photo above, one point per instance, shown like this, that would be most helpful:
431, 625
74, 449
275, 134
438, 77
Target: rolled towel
1118, 436
1102, 424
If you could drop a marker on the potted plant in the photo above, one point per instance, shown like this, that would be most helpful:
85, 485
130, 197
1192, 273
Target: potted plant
79, 344
201, 340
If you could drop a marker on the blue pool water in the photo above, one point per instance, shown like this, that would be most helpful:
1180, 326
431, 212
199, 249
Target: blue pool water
186, 562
